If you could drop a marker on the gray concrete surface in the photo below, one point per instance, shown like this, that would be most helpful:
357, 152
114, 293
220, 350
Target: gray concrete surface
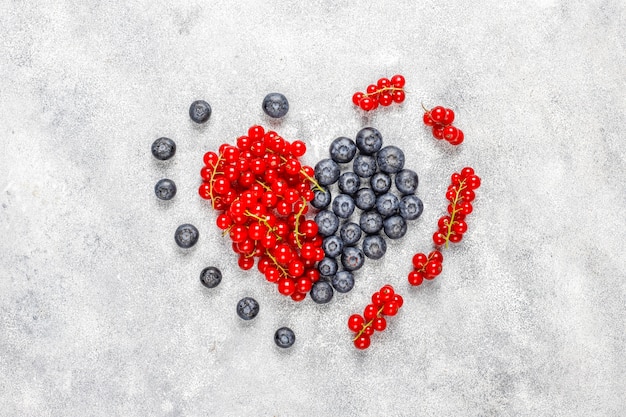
102, 315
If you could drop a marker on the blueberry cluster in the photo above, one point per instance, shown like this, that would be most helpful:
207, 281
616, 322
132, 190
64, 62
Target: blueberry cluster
368, 187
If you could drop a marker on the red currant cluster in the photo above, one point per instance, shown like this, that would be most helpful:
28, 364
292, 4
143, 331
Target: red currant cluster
263, 191
425, 267
385, 302
384, 92
441, 120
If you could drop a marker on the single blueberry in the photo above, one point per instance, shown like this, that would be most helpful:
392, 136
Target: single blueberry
387, 204
327, 172
411, 207
350, 233
369, 141
395, 227
371, 222
343, 206
365, 199
390, 159
332, 245
275, 105
321, 292
321, 199
380, 182
364, 166
200, 111
327, 267
165, 189
163, 148
327, 222
247, 308
374, 247
343, 281
284, 337
211, 277
186, 235
352, 258
406, 181
349, 183
342, 150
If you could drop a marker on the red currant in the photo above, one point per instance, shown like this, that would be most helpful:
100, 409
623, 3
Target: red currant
416, 278
379, 324
397, 81
362, 342
355, 322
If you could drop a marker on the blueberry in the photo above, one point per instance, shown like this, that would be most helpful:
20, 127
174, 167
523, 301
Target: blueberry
165, 189
390, 159
343, 281
349, 183
186, 235
321, 292
350, 233
211, 277
327, 222
369, 141
327, 267
352, 258
407, 181
247, 308
380, 182
411, 207
327, 172
395, 227
374, 247
200, 111
163, 148
365, 199
284, 337
275, 105
364, 166
321, 199
371, 222
332, 245
387, 204
342, 150
343, 206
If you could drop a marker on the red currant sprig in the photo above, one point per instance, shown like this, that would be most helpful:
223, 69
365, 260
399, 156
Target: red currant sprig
384, 92
425, 267
385, 302
440, 119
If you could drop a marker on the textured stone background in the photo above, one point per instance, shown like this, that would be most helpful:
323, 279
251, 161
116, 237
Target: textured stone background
102, 315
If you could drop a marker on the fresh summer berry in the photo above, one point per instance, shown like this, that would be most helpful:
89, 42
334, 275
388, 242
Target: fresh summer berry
350, 233
394, 227
327, 172
327, 267
365, 199
275, 105
342, 150
364, 166
355, 322
349, 183
371, 222
343, 281
387, 204
200, 111
352, 258
390, 159
380, 183
333, 246
374, 247
322, 199
411, 207
165, 189
369, 141
186, 235
362, 342
406, 181
343, 206
327, 222
416, 278
397, 81
321, 292
163, 149
247, 308
284, 337
210, 277
379, 324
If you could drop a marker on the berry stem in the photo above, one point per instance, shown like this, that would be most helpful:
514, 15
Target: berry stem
368, 324
278, 266
381, 91
212, 182
424, 107
456, 199
297, 223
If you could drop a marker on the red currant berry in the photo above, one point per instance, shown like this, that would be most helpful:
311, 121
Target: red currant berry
292, 166
455, 237
370, 312
243, 143
308, 228
467, 172
297, 148
455, 178
206, 173
303, 285
296, 268
269, 241
468, 195
356, 98
438, 131
386, 293
398, 300
376, 299
448, 117
371, 89
210, 159
419, 260
223, 221
298, 296
368, 330
428, 121
397, 81
383, 83
439, 238
385, 99
245, 262
256, 132
390, 308
437, 114
450, 133
286, 286
398, 96
435, 256
459, 227
362, 342
272, 274
416, 278
473, 181
312, 274
459, 138
366, 104
379, 324
205, 191
466, 207
432, 269
238, 233
355, 322
230, 154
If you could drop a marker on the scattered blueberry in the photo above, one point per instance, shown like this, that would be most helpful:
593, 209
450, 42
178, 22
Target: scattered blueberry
247, 308
275, 105
365, 199
321, 292
369, 141
343, 281
211, 277
364, 166
343, 206
374, 247
284, 337
163, 148
349, 183
165, 189
186, 235
371, 222
327, 172
327, 267
387, 204
332, 245
350, 233
322, 199
395, 227
380, 182
390, 159
327, 222
352, 258
342, 150
200, 111
406, 181
411, 207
